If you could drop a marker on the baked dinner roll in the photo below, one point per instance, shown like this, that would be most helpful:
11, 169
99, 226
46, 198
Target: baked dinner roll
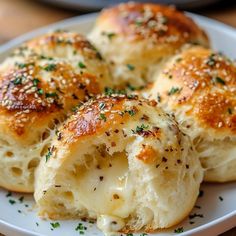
36, 93
199, 87
122, 161
134, 38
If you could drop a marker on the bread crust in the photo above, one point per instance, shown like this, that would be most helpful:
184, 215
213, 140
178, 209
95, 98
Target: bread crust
199, 85
40, 84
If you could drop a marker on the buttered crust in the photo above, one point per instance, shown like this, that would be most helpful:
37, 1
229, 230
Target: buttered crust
135, 37
119, 159
40, 84
199, 86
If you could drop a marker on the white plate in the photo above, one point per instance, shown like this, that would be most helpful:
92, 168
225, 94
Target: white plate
218, 204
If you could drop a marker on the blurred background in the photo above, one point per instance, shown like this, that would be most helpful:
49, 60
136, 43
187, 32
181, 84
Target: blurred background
20, 16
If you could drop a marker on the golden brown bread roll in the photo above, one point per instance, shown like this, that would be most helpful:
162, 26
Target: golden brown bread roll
199, 87
122, 161
134, 38
39, 85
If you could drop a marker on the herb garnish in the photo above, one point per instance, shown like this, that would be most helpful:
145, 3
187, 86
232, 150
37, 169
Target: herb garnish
174, 90
230, 111
130, 67
109, 91
102, 117
221, 198
35, 82
50, 95
81, 65
179, 230
219, 80
21, 199
192, 216
55, 225
141, 128
211, 61
102, 106
40, 91
201, 193
12, 202
131, 112
50, 67
17, 81
9, 194
48, 155
109, 35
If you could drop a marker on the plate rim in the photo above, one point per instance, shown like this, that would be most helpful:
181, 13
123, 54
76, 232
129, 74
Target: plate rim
229, 30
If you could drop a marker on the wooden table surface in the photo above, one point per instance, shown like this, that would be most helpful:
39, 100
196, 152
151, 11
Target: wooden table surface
20, 16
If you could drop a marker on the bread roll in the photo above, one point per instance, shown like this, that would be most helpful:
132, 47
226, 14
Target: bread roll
134, 38
122, 161
199, 87
39, 85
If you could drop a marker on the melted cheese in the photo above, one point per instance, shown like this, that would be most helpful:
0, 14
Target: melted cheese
104, 184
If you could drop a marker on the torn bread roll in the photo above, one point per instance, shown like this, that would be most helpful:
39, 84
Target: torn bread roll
122, 161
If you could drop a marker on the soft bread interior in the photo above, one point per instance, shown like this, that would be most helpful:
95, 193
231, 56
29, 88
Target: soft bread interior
104, 177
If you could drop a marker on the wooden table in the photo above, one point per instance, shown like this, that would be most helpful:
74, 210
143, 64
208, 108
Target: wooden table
20, 16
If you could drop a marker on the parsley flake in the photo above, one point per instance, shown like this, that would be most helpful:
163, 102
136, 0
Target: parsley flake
81, 65
141, 128
230, 111
40, 91
50, 67
9, 194
50, 95
48, 155
179, 230
130, 67
17, 81
174, 90
102, 117
55, 225
219, 80
35, 82
12, 202
21, 199
221, 198
102, 106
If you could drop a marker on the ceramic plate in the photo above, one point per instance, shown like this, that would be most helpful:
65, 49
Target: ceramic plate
215, 210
